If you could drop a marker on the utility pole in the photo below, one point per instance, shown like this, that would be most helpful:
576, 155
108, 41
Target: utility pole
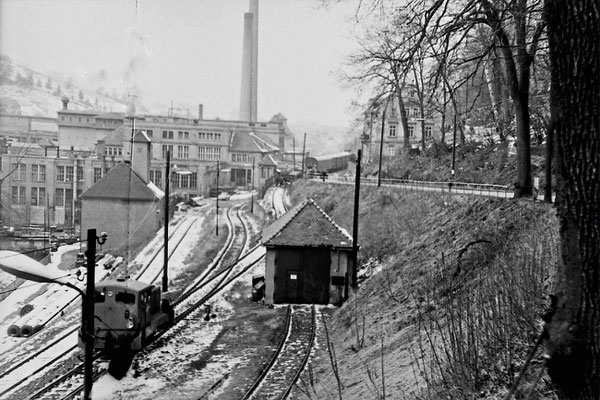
217, 225
303, 153
88, 315
165, 278
355, 223
293, 153
252, 189
453, 155
381, 145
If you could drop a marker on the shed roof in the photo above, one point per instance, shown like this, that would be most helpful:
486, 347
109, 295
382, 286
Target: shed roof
122, 183
306, 225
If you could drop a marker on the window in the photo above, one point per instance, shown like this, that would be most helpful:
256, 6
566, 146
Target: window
69, 174
20, 171
208, 153
149, 133
392, 132
167, 134
183, 135
185, 181
113, 151
217, 136
411, 131
428, 130
156, 177
97, 174
38, 196
64, 197
201, 135
80, 174
241, 157
123, 297
18, 195
166, 148
183, 151
38, 173
391, 151
99, 297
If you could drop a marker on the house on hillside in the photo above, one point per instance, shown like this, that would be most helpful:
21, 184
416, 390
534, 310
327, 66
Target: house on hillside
124, 203
309, 257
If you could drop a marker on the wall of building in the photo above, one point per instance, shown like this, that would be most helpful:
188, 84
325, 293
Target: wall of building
128, 224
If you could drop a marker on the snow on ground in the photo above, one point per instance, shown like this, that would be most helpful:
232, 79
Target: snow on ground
38, 294
168, 371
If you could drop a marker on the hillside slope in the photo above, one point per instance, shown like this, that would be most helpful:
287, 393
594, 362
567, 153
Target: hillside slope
453, 300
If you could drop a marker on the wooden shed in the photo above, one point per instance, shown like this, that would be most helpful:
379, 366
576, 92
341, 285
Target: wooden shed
309, 257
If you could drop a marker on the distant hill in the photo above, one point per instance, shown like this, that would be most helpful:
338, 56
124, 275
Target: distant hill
27, 92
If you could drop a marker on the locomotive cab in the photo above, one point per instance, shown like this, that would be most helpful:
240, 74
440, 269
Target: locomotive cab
126, 313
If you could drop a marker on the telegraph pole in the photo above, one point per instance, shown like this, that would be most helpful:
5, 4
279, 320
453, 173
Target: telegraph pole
355, 223
381, 146
252, 189
165, 278
217, 225
303, 153
453, 154
88, 315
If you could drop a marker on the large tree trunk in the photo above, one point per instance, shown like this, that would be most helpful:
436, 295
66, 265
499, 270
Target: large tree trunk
573, 342
403, 119
549, 156
523, 187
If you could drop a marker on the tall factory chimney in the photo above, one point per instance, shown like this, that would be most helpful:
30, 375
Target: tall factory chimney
249, 88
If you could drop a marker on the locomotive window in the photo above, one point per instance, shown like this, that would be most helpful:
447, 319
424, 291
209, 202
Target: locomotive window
99, 297
127, 298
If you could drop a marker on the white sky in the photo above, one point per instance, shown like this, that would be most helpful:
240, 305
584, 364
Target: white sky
189, 51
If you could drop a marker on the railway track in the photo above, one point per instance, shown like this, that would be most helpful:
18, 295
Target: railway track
281, 374
65, 345
187, 306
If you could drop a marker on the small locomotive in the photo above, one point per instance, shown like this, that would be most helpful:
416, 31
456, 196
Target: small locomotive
126, 314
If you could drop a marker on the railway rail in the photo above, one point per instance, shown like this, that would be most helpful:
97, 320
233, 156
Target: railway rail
191, 301
283, 371
48, 355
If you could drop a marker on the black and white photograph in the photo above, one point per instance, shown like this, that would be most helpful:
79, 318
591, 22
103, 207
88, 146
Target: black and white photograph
300, 199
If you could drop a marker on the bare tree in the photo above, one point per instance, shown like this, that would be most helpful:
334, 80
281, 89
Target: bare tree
573, 342
517, 29
380, 61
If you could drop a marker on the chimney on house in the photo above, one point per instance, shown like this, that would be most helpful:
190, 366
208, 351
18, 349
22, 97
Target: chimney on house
142, 151
200, 112
65, 101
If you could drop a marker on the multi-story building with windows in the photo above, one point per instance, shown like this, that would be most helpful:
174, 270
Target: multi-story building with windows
392, 133
41, 182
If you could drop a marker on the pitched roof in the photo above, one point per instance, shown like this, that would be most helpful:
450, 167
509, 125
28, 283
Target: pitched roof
250, 142
306, 225
115, 137
122, 183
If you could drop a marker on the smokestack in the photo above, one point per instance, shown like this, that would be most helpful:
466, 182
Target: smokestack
200, 112
249, 87
65, 101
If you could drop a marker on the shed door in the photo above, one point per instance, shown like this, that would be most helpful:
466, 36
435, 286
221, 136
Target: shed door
292, 286
316, 263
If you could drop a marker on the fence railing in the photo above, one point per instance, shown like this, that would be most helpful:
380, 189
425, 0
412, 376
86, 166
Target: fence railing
481, 189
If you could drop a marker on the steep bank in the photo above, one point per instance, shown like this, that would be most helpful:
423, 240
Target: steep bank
453, 301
